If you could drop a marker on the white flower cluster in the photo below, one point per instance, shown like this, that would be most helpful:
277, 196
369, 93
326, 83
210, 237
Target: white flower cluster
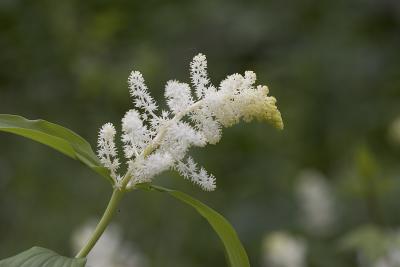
155, 141
281, 249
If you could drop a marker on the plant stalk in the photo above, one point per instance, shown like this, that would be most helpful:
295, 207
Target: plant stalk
103, 223
119, 191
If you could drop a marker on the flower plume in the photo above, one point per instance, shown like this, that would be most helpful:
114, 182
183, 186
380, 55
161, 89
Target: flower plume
198, 74
107, 151
155, 141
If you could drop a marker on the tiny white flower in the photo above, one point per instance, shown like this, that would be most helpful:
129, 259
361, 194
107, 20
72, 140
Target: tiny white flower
198, 74
146, 168
155, 143
135, 135
107, 151
139, 92
178, 95
190, 171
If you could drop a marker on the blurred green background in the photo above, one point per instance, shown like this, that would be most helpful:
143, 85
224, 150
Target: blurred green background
334, 67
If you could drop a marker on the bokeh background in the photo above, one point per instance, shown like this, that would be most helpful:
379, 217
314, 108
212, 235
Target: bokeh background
323, 192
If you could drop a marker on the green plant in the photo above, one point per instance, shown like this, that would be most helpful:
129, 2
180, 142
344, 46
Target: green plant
154, 143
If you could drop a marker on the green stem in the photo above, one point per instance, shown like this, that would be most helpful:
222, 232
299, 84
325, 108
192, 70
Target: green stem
102, 225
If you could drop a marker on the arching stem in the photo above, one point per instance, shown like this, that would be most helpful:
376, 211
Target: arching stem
103, 223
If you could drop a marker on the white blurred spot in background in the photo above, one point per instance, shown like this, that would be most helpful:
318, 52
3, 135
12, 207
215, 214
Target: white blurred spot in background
111, 250
316, 202
390, 251
394, 131
280, 249
391, 259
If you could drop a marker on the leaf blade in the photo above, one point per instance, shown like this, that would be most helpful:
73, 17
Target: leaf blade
55, 136
236, 254
39, 257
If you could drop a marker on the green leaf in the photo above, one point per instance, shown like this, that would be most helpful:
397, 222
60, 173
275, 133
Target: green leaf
236, 254
54, 136
41, 257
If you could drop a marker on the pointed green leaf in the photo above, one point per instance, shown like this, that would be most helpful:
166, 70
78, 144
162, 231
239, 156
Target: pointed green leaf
41, 257
236, 254
54, 136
